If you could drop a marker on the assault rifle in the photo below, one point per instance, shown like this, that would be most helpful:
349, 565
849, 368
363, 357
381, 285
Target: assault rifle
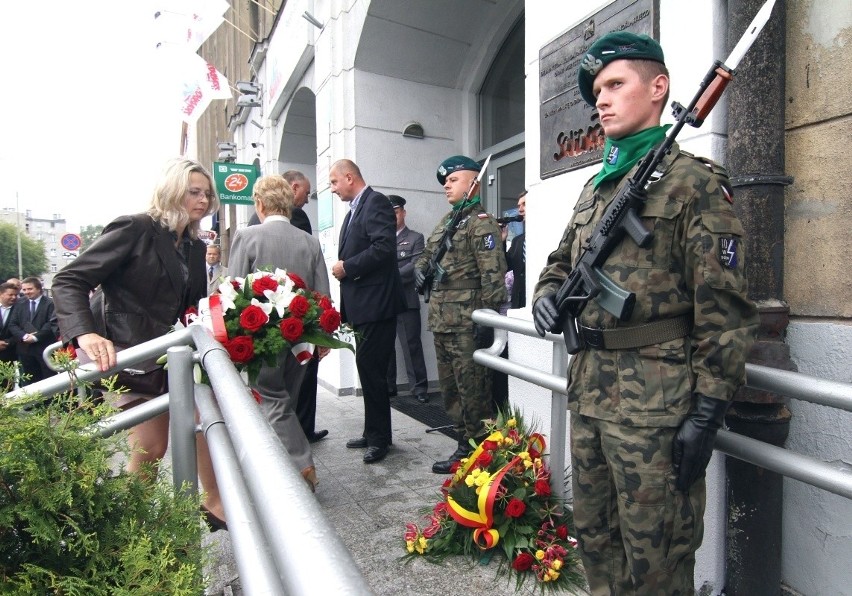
621, 217
434, 273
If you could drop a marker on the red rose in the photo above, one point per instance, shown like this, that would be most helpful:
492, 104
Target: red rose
489, 445
542, 487
263, 283
484, 459
299, 305
291, 329
523, 562
325, 302
329, 320
562, 532
253, 318
240, 349
297, 281
515, 508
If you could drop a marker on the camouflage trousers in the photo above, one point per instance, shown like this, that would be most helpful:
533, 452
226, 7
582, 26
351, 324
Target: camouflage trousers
465, 386
636, 533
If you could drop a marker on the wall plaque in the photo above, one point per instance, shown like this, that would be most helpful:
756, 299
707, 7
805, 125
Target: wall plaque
571, 135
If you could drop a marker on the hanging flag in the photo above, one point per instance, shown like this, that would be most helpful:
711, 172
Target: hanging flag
187, 23
197, 81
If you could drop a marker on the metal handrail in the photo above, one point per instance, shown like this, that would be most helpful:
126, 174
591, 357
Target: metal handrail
277, 549
777, 459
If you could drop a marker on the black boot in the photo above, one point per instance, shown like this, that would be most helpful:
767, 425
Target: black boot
443, 467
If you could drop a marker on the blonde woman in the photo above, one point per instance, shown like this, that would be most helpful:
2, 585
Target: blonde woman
150, 269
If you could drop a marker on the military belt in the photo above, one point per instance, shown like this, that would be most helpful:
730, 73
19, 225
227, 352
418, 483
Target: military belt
459, 284
626, 338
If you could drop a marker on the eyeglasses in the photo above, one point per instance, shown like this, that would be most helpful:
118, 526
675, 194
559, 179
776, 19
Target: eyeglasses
197, 193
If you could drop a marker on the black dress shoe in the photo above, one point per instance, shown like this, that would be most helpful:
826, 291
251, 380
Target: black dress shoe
317, 436
423, 398
375, 454
214, 524
443, 467
358, 443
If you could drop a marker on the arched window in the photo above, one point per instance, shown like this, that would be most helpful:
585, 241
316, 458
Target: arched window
501, 99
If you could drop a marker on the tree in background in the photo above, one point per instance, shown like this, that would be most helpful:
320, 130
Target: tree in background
89, 234
33, 260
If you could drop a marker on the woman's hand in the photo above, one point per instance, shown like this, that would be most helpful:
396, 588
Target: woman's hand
99, 349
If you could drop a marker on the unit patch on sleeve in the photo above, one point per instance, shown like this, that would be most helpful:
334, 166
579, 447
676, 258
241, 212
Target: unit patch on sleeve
728, 255
488, 242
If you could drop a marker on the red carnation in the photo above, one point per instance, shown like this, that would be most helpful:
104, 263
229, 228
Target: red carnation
523, 562
299, 306
324, 302
240, 349
291, 329
562, 532
236, 285
329, 320
515, 508
253, 318
297, 281
263, 283
542, 487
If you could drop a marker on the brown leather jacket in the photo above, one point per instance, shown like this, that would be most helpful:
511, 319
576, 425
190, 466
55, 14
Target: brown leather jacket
144, 290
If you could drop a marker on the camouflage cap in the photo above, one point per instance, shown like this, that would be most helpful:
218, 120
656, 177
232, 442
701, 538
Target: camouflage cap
454, 164
619, 45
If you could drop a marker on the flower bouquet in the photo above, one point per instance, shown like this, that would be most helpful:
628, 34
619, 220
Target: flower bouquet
499, 498
258, 317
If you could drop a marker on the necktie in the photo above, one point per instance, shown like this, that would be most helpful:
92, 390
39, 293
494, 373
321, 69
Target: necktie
210, 274
32, 309
5, 313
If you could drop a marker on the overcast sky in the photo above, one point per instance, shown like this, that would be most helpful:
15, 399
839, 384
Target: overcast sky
88, 118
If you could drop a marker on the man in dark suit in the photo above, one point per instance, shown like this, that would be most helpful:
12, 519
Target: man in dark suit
409, 244
34, 327
516, 260
370, 296
8, 296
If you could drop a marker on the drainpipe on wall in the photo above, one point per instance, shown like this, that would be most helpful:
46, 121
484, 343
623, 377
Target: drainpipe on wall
755, 162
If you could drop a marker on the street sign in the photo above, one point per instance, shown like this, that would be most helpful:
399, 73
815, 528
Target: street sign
71, 242
207, 236
234, 182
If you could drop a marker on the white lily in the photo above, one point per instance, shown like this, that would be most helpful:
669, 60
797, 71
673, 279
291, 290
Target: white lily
266, 307
280, 299
227, 294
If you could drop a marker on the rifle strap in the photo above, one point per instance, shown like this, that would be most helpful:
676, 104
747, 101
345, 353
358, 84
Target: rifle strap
458, 284
627, 338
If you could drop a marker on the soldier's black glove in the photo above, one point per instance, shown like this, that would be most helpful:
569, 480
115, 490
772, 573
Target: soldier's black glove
419, 280
483, 336
693, 442
545, 314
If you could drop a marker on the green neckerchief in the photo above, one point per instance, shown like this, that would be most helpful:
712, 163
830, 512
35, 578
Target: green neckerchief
622, 154
463, 205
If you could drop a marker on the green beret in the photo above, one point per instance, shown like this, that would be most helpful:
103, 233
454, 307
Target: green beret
454, 164
619, 45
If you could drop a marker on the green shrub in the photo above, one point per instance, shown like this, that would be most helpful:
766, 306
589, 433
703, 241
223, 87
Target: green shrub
73, 521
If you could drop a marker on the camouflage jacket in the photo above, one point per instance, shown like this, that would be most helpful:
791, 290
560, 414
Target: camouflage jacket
695, 266
478, 259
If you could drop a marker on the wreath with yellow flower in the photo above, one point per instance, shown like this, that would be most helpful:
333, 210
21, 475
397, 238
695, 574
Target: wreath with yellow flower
499, 499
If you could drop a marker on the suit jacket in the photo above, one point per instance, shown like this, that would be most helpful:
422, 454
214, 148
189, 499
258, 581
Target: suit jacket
43, 325
277, 243
10, 353
299, 218
409, 244
517, 263
218, 273
145, 290
371, 290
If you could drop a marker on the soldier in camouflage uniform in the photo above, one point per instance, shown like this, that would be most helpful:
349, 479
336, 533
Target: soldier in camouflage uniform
646, 402
474, 270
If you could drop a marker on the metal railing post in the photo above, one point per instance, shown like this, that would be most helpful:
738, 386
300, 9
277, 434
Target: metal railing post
558, 424
182, 419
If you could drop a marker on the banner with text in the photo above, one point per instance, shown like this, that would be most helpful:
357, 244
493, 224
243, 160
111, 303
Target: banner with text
234, 182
